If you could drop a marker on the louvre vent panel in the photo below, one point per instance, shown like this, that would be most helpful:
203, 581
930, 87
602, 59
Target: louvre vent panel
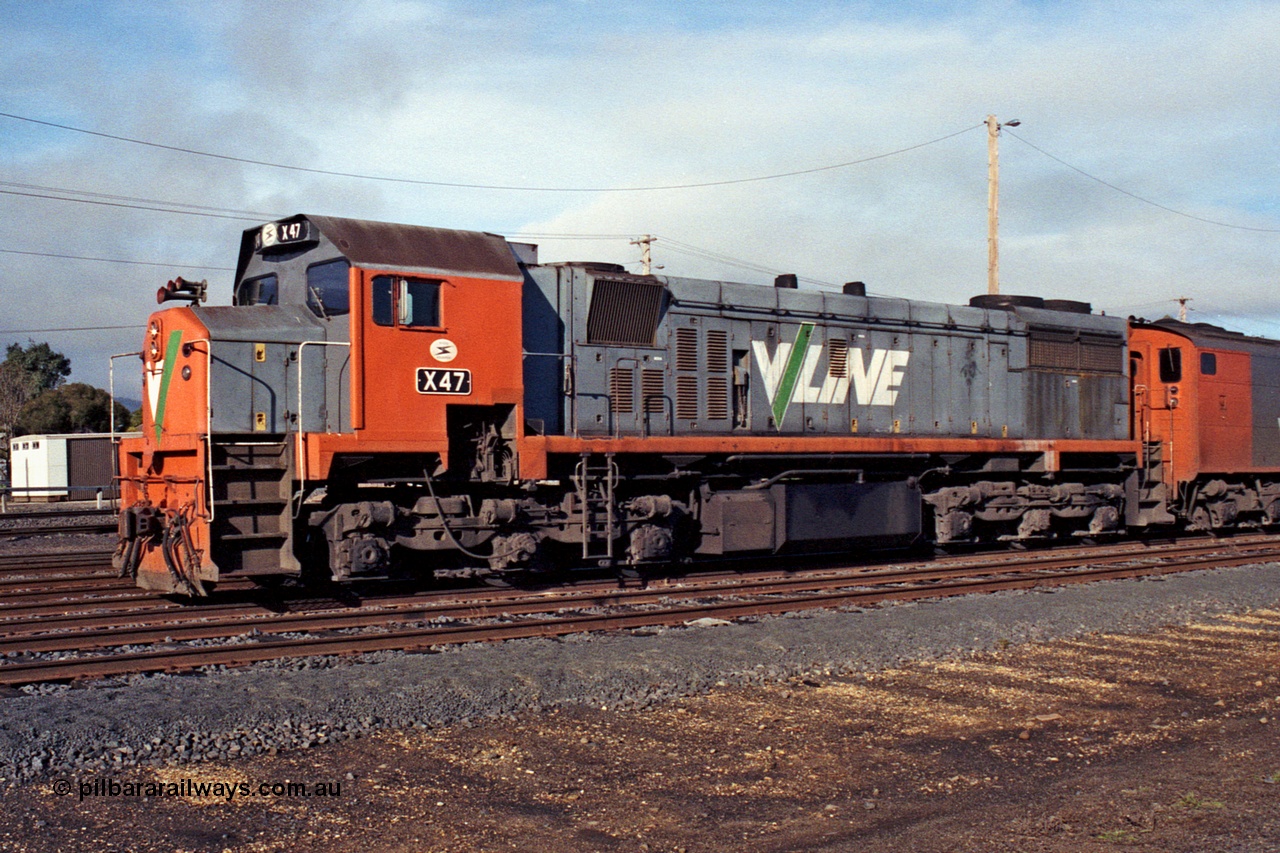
653, 389
624, 312
1053, 354
686, 349
717, 351
838, 358
1048, 350
687, 397
622, 390
717, 398
1101, 355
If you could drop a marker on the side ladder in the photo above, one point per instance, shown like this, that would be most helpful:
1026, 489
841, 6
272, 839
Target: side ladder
595, 482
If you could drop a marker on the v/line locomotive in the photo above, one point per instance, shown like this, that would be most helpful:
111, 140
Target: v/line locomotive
384, 399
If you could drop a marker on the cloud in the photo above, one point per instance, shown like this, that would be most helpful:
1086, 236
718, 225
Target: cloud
1171, 101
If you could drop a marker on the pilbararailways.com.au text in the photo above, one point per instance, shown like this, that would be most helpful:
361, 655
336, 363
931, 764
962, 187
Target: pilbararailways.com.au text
194, 788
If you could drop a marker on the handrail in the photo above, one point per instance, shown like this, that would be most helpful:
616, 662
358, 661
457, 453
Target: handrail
302, 450
615, 425
569, 381
208, 422
111, 417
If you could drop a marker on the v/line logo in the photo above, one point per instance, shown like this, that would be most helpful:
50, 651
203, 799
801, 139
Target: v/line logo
788, 375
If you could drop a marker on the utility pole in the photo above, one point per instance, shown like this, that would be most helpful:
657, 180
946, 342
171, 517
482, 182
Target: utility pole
1182, 308
646, 259
993, 201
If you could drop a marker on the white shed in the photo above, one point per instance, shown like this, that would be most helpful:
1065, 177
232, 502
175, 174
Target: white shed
58, 467
38, 467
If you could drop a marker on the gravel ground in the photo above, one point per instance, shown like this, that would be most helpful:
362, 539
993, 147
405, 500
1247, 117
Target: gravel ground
57, 543
33, 516
40, 514
22, 508
264, 708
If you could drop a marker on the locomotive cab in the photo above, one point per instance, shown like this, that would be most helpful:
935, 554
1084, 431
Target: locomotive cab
1206, 408
345, 361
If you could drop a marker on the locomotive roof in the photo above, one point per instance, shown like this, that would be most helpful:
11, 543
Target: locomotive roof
1207, 335
412, 248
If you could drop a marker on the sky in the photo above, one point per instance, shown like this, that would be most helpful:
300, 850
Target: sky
1146, 165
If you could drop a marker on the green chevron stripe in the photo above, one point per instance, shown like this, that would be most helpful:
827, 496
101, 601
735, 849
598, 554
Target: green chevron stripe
170, 359
790, 374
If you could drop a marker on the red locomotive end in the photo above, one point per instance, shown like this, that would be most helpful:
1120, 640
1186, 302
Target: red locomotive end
1207, 407
353, 353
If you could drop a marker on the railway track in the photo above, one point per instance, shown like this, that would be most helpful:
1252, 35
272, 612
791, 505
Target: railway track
58, 529
55, 522
96, 633
21, 565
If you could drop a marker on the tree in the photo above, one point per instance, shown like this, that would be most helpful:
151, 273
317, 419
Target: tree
42, 369
48, 413
76, 407
13, 396
25, 373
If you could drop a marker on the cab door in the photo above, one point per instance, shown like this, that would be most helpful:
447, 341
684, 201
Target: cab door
1164, 403
434, 348
410, 363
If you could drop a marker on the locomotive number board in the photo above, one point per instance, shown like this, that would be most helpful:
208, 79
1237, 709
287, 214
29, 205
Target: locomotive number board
438, 380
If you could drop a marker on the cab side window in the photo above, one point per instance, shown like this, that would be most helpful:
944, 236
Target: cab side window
1170, 364
327, 292
263, 290
401, 301
384, 311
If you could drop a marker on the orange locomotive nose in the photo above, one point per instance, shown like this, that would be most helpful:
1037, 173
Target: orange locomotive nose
351, 356
164, 529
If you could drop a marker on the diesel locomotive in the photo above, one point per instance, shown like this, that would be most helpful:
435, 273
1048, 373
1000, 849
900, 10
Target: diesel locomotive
387, 399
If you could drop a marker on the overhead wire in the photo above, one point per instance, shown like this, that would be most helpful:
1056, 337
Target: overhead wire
706, 254
257, 214
1135, 196
460, 185
526, 235
118, 204
71, 329
678, 247
113, 260
1227, 321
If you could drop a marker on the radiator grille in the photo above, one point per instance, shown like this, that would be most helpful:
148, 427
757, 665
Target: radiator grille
717, 398
1101, 355
1052, 354
624, 311
653, 389
1063, 351
717, 351
838, 358
621, 390
687, 397
686, 349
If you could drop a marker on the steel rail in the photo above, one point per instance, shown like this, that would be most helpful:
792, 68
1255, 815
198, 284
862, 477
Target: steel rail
58, 616
32, 600
64, 560
56, 530
88, 577
104, 631
418, 638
